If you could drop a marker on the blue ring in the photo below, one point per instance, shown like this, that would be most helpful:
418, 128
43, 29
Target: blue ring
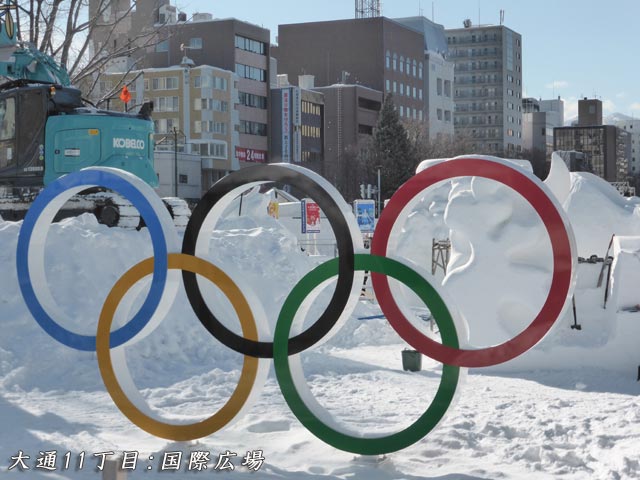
160, 262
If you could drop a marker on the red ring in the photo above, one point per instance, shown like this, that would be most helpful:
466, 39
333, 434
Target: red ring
561, 245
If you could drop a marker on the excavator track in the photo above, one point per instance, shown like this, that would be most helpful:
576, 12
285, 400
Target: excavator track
110, 209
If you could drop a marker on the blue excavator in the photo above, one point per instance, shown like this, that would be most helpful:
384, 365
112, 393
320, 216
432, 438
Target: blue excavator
47, 130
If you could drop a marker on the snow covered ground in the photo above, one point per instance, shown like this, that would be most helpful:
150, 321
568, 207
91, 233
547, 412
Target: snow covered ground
568, 409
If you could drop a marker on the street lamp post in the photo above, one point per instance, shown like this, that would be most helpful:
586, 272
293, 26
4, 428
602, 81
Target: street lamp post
379, 209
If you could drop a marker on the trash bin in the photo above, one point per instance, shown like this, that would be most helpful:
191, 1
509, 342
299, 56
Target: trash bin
411, 360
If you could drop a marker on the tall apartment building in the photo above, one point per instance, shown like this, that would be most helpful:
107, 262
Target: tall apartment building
438, 77
229, 44
378, 53
194, 117
488, 86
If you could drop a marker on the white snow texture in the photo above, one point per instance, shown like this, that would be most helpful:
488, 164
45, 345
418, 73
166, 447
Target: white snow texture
567, 409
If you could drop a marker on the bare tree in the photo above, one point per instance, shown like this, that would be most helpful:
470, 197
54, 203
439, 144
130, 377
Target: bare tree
64, 30
443, 146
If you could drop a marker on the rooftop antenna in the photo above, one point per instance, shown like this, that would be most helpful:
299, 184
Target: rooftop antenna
367, 8
479, 13
501, 17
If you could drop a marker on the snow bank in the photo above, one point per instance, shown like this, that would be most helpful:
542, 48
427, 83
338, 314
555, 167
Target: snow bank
573, 424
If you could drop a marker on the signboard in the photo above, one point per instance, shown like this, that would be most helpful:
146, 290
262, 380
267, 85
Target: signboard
310, 216
365, 211
296, 107
286, 125
251, 155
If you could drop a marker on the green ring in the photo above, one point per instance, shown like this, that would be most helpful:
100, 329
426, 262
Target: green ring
448, 382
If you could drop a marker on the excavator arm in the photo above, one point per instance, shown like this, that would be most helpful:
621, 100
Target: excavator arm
22, 61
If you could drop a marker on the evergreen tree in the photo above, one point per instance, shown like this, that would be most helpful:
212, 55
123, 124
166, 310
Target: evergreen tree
393, 152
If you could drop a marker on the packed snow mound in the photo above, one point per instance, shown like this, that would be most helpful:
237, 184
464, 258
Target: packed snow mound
500, 264
597, 211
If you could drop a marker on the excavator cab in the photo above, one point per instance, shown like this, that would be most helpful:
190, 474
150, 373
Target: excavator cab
22, 137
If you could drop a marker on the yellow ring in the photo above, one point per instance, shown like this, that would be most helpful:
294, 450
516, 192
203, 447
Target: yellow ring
249, 369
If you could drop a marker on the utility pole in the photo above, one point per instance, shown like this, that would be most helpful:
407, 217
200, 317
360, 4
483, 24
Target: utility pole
175, 162
379, 205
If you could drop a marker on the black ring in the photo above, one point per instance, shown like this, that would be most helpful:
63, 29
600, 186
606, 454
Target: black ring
346, 258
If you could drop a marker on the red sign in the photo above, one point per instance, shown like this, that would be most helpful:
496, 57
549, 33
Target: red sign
310, 216
125, 96
251, 155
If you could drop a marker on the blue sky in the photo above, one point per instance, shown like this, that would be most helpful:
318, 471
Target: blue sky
571, 48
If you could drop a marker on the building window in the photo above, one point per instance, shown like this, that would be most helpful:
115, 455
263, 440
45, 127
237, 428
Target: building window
195, 43
388, 85
387, 59
365, 129
250, 45
447, 88
171, 83
401, 88
395, 61
395, 85
415, 68
254, 101
220, 83
439, 86
210, 104
253, 128
408, 64
439, 114
252, 73
420, 70
165, 125
218, 150
401, 111
164, 83
167, 104
163, 46
197, 81
183, 179
447, 115
401, 64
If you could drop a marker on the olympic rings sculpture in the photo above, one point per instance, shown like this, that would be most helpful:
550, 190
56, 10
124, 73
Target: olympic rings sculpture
349, 266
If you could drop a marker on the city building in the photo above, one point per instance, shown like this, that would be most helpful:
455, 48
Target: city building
229, 44
607, 148
350, 115
539, 118
589, 112
195, 122
488, 87
378, 53
438, 78
632, 127
297, 124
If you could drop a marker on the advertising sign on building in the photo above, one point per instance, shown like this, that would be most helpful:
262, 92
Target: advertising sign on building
310, 216
296, 107
251, 155
286, 125
365, 211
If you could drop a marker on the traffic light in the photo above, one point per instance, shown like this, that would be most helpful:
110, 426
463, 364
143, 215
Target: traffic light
362, 190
